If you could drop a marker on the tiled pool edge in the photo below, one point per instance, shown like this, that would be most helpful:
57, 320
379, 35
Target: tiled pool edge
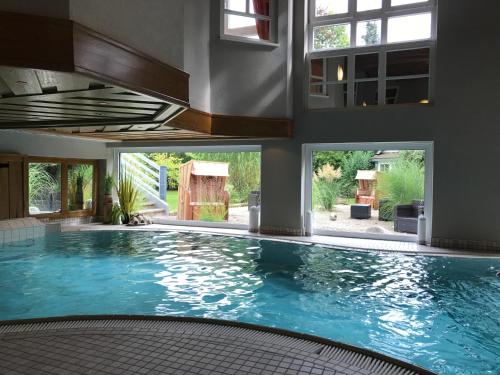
16, 230
343, 243
334, 356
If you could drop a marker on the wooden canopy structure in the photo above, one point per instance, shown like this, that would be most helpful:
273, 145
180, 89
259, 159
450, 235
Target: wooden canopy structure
366, 193
202, 191
60, 77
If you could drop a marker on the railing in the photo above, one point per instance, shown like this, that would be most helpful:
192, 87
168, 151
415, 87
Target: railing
148, 176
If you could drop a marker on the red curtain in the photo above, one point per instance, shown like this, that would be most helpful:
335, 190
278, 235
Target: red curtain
262, 7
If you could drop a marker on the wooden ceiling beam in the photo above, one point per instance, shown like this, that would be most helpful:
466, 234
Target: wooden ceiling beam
233, 126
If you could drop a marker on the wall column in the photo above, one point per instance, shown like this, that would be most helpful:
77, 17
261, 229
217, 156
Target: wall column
281, 188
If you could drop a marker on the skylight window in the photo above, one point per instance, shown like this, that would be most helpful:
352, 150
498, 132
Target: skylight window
364, 5
332, 21
248, 20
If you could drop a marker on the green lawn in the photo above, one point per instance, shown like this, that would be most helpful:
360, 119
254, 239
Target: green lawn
172, 200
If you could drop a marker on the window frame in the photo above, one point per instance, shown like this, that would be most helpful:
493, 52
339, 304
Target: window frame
272, 18
117, 151
307, 167
353, 17
65, 163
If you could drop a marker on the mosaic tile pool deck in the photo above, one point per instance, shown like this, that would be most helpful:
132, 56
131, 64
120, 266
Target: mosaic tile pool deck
155, 345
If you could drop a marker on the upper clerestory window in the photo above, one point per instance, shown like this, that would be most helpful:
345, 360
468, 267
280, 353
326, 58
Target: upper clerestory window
252, 21
336, 24
354, 46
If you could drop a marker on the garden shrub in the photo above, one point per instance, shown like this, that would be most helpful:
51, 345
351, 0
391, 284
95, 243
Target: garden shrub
351, 163
326, 187
403, 183
173, 163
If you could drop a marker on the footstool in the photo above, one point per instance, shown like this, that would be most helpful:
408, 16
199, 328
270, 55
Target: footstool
361, 211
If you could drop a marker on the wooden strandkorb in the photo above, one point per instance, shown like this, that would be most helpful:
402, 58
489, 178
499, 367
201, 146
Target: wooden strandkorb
202, 191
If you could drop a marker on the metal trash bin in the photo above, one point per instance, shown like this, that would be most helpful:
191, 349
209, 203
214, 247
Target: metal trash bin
254, 199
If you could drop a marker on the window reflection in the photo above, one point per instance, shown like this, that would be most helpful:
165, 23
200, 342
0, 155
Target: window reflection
44, 187
408, 62
80, 187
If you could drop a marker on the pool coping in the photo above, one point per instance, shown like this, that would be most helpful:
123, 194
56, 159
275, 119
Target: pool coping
339, 243
31, 325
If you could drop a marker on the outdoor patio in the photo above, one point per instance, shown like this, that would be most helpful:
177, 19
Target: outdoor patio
344, 223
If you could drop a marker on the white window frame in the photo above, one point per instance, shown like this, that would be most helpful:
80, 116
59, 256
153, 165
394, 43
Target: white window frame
353, 17
272, 18
307, 173
224, 148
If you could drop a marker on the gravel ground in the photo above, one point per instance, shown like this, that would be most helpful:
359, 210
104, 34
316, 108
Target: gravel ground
344, 223
322, 220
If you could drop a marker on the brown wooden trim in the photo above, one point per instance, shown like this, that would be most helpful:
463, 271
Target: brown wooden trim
48, 43
5, 158
251, 126
101, 57
41, 159
36, 42
233, 126
193, 120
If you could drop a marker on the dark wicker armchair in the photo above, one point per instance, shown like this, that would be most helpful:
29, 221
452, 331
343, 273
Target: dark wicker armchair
406, 217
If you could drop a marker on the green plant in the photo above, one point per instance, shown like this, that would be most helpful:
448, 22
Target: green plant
326, 188
116, 214
40, 182
351, 163
172, 162
129, 197
108, 184
321, 158
402, 184
213, 213
79, 185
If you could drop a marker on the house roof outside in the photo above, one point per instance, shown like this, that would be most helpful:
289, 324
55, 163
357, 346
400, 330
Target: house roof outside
388, 155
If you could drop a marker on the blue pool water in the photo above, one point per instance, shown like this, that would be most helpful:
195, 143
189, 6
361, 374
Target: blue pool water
437, 312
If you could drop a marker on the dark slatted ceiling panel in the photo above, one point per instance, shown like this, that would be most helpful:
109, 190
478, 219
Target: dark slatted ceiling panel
60, 99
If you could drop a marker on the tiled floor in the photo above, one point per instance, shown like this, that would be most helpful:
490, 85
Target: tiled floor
163, 346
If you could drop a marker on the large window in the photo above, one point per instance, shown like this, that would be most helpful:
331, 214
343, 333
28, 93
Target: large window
212, 186
61, 187
248, 20
361, 48
369, 190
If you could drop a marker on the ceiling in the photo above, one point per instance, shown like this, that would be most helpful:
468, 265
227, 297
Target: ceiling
60, 77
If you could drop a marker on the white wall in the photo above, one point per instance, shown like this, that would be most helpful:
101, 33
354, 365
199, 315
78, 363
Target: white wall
463, 123
154, 27
252, 80
249, 79
197, 52
19, 142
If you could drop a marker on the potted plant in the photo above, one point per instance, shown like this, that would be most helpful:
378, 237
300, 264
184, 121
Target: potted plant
108, 199
128, 195
116, 214
79, 191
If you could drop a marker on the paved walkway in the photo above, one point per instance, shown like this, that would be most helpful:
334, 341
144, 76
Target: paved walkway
156, 345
